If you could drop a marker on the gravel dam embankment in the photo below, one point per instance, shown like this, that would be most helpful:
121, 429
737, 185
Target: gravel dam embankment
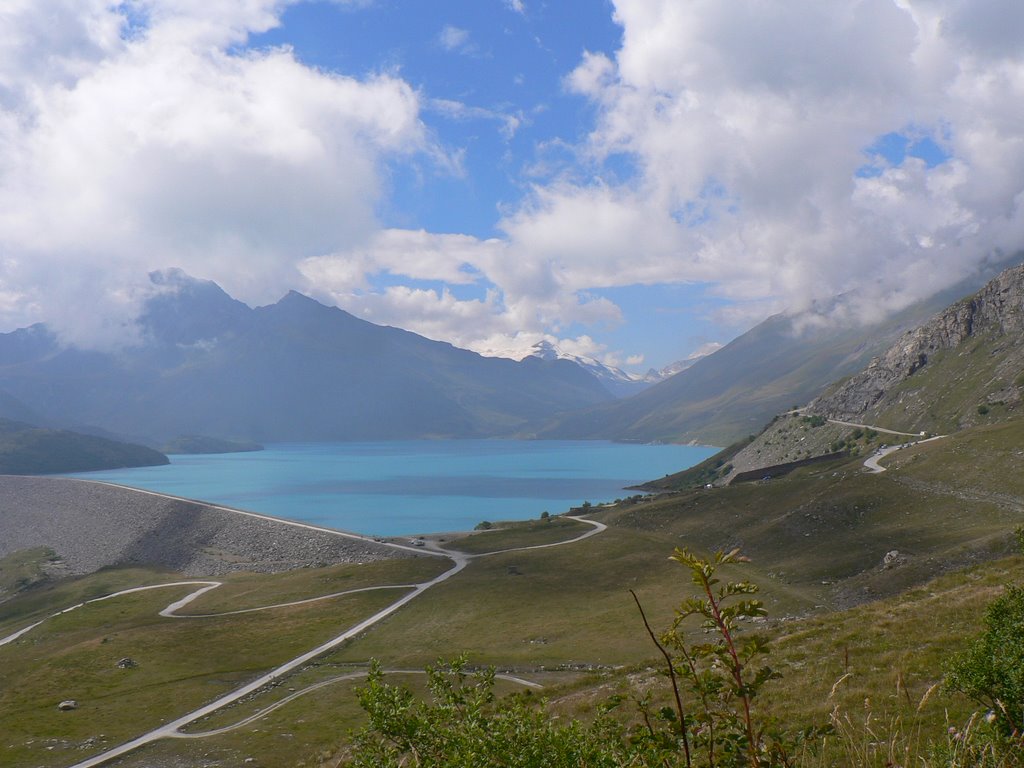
92, 526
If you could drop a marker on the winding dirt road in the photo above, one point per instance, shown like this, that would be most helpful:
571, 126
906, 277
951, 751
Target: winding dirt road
173, 729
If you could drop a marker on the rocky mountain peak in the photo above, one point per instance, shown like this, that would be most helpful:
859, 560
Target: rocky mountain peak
997, 309
186, 310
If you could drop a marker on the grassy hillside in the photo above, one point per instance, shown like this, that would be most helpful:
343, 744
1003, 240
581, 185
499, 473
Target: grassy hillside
191, 444
561, 616
28, 450
732, 393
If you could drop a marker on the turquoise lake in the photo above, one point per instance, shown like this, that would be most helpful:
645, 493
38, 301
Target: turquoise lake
407, 487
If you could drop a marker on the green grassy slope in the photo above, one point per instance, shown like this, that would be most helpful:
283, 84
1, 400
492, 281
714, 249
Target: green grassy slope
181, 663
28, 450
562, 616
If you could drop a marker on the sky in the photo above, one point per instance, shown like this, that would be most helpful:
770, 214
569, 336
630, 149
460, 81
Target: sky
633, 180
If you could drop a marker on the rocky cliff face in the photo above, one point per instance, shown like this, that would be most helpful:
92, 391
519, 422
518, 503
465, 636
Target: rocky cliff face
997, 309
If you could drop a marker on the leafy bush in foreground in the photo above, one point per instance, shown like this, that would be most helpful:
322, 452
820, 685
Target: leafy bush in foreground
466, 727
711, 722
991, 669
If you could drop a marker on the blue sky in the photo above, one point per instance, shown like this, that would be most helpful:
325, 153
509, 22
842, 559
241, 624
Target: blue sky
516, 124
630, 180
496, 64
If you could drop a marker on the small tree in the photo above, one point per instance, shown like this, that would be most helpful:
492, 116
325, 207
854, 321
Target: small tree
723, 673
991, 669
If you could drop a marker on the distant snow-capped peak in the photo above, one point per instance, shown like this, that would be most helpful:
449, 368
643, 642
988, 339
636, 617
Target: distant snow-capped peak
545, 350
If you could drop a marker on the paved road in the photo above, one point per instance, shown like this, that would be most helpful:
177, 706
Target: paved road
871, 462
876, 429
172, 729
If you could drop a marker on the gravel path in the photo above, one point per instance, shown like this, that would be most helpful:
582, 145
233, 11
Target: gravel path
92, 526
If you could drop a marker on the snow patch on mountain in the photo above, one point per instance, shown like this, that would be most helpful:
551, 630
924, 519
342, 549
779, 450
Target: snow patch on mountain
619, 382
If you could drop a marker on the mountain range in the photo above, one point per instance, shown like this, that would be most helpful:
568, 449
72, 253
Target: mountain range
617, 381
212, 368
963, 367
786, 360
292, 371
961, 370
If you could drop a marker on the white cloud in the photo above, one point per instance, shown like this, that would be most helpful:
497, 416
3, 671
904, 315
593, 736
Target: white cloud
456, 110
730, 149
747, 124
130, 149
454, 38
522, 300
516, 5
704, 349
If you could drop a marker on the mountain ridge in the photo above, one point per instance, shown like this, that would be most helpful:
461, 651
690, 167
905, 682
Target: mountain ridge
294, 370
732, 393
29, 450
962, 368
997, 310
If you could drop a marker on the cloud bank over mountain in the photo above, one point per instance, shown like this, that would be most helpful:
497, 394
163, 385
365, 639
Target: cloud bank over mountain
776, 153
137, 136
791, 151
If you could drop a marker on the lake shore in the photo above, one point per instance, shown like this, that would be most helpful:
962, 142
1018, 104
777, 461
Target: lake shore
404, 488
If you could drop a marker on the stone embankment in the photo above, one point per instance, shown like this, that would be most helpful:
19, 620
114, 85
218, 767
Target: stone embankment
92, 526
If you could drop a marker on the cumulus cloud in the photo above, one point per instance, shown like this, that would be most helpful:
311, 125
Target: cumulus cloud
752, 135
521, 302
748, 125
135, 136
740, 145
454, 38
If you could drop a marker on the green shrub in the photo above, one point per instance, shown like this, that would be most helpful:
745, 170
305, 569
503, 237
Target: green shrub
991, 669
723, 671
463, 725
